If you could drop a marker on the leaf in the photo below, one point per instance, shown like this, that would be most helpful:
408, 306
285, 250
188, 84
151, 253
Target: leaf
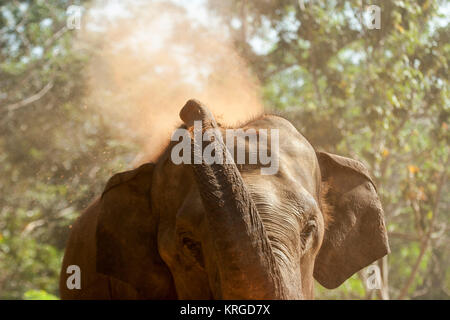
39, 295
399, 28
413, 169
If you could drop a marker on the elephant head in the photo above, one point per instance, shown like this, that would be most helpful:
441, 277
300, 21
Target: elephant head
224, 231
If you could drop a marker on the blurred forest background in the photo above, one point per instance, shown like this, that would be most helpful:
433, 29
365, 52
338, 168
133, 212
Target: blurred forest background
377, 95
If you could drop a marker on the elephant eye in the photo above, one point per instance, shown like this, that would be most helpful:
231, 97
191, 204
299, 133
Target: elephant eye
194, 248
310, 227
307, 233
190, 244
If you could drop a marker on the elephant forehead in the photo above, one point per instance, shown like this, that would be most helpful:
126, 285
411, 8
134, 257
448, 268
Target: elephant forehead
267, 133
279, 196
297, 160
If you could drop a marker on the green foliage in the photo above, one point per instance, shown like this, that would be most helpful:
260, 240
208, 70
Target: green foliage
39, 295
55, 155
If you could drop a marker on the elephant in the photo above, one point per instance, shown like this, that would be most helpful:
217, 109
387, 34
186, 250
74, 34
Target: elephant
224, 230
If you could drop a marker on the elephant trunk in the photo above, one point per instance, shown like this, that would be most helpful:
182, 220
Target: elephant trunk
245, 264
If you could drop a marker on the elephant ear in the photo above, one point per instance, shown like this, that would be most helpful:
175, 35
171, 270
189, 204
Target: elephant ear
355, 232
126, 235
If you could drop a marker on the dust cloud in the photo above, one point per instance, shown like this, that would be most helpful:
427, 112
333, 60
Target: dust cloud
149, 59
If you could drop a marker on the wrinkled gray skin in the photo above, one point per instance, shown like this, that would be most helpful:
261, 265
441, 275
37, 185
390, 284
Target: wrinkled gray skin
224, 231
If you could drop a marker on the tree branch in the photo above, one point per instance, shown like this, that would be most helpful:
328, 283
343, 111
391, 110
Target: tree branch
29, 100
426, 241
